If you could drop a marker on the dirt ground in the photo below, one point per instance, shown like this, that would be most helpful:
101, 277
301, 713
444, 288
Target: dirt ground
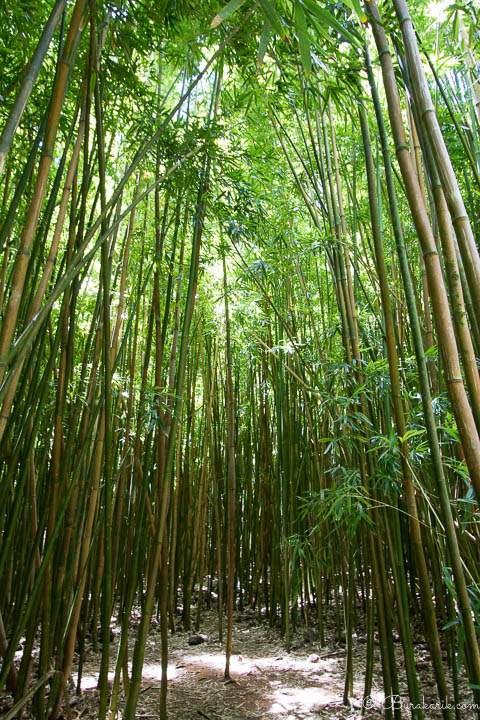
268, 682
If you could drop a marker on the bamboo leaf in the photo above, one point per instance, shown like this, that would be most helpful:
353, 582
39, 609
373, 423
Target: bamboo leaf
456, 26
327, 18
357, 9
410, 434
226, 11
303, 39
272, 15
264, 40
450, 624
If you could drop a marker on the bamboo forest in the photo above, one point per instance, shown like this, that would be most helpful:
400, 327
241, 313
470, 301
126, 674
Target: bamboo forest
239, 359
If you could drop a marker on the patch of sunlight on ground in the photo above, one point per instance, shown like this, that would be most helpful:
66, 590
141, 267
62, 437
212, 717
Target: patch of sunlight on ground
216, 662
89, 681
242, 664
378, 698
300, 699
151, 671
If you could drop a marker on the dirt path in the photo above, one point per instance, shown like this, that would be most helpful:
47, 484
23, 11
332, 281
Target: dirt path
269, 682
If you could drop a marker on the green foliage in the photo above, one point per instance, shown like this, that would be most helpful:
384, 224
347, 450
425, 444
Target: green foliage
346, 506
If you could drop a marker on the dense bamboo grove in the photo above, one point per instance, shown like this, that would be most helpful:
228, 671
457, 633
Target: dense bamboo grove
239, 342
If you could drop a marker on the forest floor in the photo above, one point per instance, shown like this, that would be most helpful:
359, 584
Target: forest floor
268, 681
